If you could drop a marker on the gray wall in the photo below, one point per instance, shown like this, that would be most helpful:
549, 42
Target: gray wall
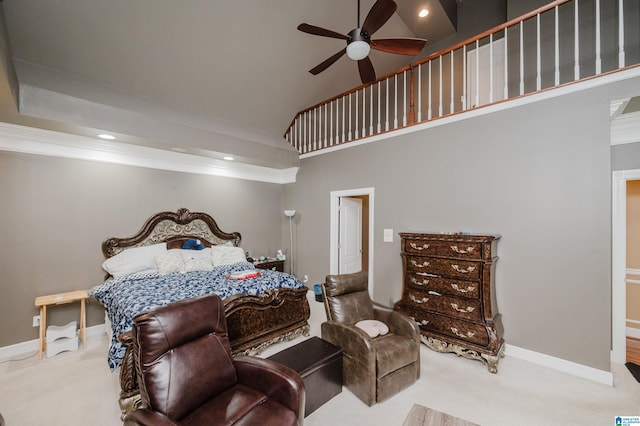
55, 213
538, 174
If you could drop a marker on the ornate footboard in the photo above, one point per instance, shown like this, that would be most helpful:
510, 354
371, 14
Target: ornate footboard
253, 323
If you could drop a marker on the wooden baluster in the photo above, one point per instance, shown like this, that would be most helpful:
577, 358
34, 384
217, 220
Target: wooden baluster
451, 83
557, 47
440, 91
419, 93
350, 117
506, 66
379, 118
343, 123
371, 110
429, 110
521, 57
477, 97
598, 58
538, 54
491, 68
404, 99
576, 43
395, 109
364, 112
621, 58
386, 125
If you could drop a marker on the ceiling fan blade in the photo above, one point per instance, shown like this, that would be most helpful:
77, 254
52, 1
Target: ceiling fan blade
402, 46
312, 29
327, 62
379, 14
367, 73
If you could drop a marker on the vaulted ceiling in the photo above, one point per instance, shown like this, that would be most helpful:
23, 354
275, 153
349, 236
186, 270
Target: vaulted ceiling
209, 77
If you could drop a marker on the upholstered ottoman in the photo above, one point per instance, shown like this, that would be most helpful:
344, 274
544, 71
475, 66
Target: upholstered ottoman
319, 363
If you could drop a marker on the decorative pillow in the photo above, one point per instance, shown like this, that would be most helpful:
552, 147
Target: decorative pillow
170, 262
196, 254
193, 265
133, 260
193, 244
373, 328
223, 255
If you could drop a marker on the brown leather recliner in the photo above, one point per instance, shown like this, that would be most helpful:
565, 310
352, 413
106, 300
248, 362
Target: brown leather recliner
188, 377
373, 368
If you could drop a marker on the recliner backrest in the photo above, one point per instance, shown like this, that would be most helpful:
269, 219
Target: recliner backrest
346, 298
183, 355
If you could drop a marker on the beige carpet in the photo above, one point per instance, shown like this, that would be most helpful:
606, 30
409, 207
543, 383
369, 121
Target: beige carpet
423, 416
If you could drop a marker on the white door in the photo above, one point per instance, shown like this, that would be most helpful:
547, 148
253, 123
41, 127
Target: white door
350, 245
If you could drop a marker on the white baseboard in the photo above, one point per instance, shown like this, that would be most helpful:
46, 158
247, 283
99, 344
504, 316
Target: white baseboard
32, 345
633, 332
569, 367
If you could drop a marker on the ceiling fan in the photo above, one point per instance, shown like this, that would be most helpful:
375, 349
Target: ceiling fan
359, 40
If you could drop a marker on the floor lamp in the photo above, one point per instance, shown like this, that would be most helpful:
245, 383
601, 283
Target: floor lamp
290, 214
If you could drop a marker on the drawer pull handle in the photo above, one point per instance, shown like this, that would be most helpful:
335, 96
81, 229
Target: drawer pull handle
463, 271
415, 299
417, 247
468, 335
463, 251
420, 265
423, 282
462, 290
434, 293
423, 322
468, 309
425, 274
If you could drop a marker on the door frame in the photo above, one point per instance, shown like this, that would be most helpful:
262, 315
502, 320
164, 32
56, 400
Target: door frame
334, 237
619, 263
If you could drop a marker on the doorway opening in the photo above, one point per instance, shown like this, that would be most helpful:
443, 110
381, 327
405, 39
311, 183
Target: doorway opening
351, 232
619, 264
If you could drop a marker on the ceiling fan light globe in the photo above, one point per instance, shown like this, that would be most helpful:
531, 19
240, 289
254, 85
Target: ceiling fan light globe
358, 50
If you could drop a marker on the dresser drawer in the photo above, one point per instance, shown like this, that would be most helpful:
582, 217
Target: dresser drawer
462, 249
444, 285
447, 267
455, 328
448, 305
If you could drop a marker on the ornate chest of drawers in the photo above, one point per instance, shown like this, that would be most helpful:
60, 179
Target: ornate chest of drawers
449, 291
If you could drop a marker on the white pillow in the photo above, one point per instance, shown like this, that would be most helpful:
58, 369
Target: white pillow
133, 260
373, 328
196, 254
197, 260
170, 262
223, 255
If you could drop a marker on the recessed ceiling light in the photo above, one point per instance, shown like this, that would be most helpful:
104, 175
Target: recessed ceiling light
423, 13
228, 158
106, 136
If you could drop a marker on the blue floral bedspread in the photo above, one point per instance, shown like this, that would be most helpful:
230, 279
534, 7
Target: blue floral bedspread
124, 298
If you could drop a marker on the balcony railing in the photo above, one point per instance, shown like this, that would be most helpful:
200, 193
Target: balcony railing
561, 43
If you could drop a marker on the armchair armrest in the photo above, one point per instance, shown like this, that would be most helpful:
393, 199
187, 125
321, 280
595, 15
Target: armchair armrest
353, 341
279, 382
398, 323
144, 416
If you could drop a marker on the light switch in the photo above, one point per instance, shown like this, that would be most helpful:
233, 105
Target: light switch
388, 235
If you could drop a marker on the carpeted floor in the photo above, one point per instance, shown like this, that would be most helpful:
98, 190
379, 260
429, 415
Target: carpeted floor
423, 416
634, 369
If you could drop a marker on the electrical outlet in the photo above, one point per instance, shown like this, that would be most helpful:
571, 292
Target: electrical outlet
36, 320
306, 279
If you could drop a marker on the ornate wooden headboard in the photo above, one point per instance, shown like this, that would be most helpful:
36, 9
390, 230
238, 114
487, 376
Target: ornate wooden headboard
174, 229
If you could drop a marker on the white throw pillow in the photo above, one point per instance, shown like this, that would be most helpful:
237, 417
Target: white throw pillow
134, 260
196, 254
373, 328
170, 262
197, 260
223, 255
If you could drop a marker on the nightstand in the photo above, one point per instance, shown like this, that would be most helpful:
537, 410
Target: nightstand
273, 264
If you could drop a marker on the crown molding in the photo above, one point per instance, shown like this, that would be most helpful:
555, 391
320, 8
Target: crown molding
29, 140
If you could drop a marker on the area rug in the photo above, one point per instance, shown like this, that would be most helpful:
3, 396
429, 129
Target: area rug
423, 416
634, 369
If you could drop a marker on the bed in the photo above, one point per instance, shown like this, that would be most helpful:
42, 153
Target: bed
267, 308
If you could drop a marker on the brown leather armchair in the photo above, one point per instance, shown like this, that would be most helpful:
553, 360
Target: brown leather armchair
187, 375
372, 368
